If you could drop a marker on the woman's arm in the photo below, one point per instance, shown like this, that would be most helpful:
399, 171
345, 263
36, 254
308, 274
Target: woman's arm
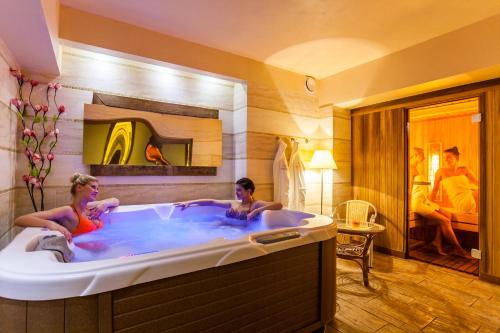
203, 202
472, 178
96, 208
47, 219
261, 206
437, 182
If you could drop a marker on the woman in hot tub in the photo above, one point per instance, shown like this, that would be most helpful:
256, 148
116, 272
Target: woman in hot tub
79, 217
247, 209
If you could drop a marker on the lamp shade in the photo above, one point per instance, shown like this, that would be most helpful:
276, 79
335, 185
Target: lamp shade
322, 159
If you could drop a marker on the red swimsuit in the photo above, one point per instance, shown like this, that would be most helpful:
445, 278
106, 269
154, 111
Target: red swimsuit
84, 224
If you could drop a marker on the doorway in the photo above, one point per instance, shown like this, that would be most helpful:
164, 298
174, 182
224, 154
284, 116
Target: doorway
443, 178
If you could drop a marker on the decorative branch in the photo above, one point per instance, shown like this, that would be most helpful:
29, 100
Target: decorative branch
36, 134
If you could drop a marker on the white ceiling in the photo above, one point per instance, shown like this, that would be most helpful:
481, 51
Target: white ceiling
314, 37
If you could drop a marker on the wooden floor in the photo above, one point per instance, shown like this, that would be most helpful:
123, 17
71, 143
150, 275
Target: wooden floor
406, 295
428, 255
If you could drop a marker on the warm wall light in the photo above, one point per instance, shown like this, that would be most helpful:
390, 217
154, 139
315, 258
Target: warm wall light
434, 151
322, 159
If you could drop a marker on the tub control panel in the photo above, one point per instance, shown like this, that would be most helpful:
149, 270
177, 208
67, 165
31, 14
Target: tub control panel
277, 237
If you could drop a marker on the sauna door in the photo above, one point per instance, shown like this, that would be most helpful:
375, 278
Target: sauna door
443, 179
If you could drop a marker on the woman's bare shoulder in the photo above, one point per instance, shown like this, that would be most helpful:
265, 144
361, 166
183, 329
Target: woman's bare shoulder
260, 203
65, 211
54, 213
440, 172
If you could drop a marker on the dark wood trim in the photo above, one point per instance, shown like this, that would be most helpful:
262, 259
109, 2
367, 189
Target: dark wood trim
151, 170
105, 314
489, 278
153, 106
385, 250
483, 184
432, 94
406, 181
328, 289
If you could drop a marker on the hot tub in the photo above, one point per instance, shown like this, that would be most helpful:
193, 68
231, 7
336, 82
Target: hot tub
155, 267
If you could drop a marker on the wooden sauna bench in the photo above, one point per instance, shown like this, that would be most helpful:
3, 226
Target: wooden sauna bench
459, 221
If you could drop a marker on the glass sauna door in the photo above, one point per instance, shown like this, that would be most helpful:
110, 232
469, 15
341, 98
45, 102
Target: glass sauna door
443, 178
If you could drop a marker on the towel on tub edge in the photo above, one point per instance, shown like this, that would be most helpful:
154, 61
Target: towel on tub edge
57, 245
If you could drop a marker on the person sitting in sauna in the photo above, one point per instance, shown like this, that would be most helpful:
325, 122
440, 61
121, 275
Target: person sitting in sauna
459, 183
421, 205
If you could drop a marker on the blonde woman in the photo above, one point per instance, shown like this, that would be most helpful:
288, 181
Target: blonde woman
80, 216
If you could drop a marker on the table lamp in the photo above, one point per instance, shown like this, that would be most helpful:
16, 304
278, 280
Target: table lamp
322, 159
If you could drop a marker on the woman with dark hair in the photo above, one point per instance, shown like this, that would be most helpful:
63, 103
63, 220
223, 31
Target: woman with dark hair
79, 217
247, 209
421, 205
458, 183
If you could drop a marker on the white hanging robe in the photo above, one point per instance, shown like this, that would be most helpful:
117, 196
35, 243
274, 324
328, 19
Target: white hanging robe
280, 175
297, 169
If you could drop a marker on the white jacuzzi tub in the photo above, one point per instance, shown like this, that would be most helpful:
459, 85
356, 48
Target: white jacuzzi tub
27, 275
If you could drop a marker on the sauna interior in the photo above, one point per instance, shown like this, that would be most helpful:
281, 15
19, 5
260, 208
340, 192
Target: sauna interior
354, 120
434, 201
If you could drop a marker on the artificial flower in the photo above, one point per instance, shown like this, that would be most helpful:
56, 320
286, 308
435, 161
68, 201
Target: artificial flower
16, 102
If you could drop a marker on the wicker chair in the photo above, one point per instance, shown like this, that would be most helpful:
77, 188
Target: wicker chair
358, 248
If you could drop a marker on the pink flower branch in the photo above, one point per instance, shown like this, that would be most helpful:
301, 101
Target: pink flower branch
35, 135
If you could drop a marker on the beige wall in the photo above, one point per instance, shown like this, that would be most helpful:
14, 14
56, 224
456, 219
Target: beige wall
82, 73
252, 115
275, 112
276, 102
8, 123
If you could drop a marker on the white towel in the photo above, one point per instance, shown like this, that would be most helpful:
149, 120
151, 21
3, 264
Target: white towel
297, 196
280, 175
458, 189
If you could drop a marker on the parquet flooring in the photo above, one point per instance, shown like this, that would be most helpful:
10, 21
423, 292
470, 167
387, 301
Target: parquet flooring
407, 295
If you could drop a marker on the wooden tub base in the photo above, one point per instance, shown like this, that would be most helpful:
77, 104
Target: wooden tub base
287, 291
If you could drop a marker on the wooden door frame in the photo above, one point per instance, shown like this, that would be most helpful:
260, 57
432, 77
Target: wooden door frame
481, 96
475, 90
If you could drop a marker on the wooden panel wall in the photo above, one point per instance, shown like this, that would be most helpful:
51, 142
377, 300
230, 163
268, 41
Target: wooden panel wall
390, 184
454, 131
378, 155
489, 237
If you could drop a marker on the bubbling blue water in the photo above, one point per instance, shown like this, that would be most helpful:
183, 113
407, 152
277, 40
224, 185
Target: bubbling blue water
148, 234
